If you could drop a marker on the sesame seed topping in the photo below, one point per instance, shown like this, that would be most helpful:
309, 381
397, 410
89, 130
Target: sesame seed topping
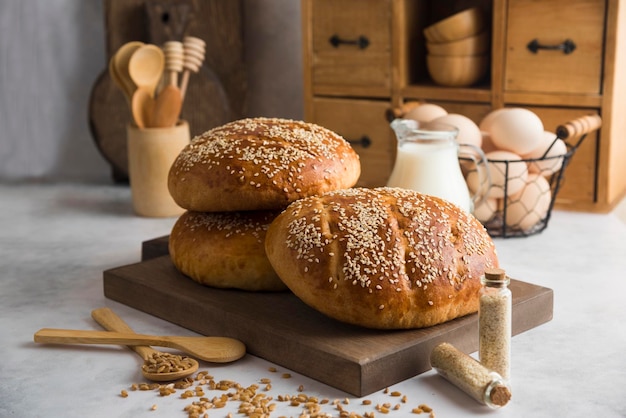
230, 224
387, 237
275, 151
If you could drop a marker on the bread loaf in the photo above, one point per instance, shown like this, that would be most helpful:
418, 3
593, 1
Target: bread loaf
261, 164
224, 250
381, 258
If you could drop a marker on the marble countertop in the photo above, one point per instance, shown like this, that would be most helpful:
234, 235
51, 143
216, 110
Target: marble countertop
56, 240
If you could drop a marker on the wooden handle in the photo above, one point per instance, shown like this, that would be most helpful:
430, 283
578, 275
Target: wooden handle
174, 59
111, 322
579, 127
184, 82
71, 336
194, 51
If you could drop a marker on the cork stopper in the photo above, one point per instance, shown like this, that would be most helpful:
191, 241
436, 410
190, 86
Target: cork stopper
500, 395
495, 276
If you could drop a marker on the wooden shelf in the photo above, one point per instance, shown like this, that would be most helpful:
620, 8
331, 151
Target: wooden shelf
434, 92
558, 86
551, 99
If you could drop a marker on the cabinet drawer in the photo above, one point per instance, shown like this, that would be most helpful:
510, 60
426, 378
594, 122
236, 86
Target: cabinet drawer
351, 47
552, 23
363, 123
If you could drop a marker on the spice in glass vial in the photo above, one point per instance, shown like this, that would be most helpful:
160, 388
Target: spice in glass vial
494, 322
465, 372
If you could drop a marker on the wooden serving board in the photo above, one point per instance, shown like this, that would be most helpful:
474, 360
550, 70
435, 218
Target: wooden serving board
280, 328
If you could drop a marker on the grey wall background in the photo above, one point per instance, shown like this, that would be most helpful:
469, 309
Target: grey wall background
51, 52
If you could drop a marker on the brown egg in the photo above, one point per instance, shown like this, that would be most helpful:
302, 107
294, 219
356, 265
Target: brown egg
485, 209
488, 144
506, 169
425, 112
552, 161
469, 133
531, 205
517, 130
485, 123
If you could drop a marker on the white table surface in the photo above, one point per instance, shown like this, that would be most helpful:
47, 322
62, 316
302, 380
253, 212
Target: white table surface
56, 240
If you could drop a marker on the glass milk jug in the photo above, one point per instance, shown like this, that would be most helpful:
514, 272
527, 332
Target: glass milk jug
427, 161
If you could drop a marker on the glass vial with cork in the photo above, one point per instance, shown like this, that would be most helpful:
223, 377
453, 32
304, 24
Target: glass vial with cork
494, 322
466, 373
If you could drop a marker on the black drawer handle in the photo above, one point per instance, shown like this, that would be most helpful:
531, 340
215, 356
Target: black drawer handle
364, 141
362, 42
568, 46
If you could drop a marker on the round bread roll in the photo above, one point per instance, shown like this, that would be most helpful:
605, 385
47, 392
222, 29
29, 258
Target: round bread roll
261, 164
385, 258
224, 250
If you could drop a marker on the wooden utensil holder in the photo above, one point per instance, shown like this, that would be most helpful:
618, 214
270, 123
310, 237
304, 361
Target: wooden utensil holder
151, 153
217, 94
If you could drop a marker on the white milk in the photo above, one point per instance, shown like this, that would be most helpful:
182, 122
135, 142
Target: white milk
433, 169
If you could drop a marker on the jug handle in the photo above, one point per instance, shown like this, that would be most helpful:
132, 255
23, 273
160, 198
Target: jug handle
477, 156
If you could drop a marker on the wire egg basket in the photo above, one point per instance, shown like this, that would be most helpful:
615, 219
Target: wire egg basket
521, 204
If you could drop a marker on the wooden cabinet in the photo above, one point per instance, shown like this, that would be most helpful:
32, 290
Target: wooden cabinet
561, 59
362, 122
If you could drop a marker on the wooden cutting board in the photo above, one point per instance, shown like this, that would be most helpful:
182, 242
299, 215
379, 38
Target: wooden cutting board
280, 328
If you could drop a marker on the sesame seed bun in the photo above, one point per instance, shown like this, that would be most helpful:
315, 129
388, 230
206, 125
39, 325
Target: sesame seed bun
384, 258
224, 250
261, 164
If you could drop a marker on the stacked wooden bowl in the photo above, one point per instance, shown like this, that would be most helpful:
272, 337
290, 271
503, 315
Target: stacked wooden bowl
458, 49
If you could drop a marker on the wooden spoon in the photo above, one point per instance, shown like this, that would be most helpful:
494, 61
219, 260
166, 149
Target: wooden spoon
111, 322
117, 80
167, 108
213, 349
145, 67
142, 107
121, 59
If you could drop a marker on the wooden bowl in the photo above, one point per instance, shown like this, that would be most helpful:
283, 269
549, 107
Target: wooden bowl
473, 45
464, 24
457, 71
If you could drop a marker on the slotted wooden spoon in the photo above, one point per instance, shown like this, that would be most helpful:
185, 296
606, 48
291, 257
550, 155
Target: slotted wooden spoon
111, 322
212, 349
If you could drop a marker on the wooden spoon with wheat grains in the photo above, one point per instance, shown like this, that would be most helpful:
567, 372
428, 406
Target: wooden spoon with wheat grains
154, 360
